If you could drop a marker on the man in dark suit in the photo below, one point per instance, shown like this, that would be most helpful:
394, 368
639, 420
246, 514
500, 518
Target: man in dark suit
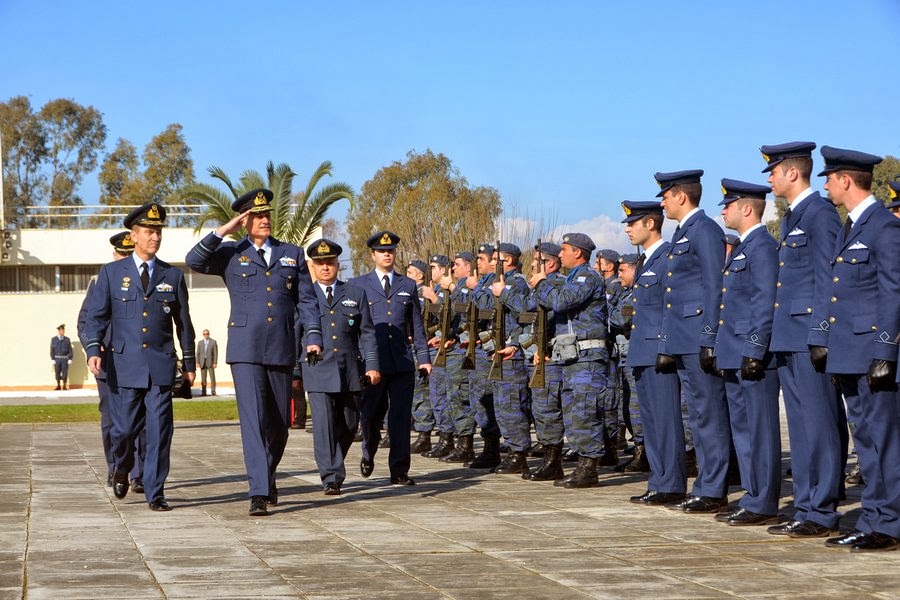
863, 328
207, 358
268, 282
817, 422
137, 301
396, 312
61, 357
742, 353
349, 361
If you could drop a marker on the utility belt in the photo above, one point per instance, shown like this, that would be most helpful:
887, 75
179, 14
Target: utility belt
66, 356
565, 347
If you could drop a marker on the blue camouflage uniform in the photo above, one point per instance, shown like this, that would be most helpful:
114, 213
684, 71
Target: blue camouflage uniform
423, 413
460, 408
437, 382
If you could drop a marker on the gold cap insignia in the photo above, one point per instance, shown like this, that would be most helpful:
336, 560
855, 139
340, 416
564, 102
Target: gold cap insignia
385, 239
626, 209
891, 193
323, 247
127, 242
766, 157
153, 213
260, 199
724, 191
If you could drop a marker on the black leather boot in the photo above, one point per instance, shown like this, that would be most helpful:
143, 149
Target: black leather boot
637, 463
490, 454
443, 448
515, 463
422, 443
551, 469
463, 452
610, 456
585, 474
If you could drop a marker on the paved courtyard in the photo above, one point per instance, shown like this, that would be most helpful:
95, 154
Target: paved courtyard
459, 533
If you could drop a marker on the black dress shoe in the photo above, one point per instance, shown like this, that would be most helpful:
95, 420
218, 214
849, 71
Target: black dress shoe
160, 504
258, 506
366, 467
332, 489
137, 485
401, 480
846, 540
876, 542
810, 529
723, 517
784, 528
743, 517
120, 484
654, 498
701, 505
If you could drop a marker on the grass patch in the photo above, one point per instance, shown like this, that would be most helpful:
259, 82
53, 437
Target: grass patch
185, 410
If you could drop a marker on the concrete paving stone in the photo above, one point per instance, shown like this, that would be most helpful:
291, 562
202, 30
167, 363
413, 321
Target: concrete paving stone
77, 592
764, 579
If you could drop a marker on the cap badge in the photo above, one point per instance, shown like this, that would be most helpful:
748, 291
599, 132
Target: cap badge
892, 194
724, 191
260, 199
626, 209
153, 213
323, 247
766, 157
385, 239
127, 242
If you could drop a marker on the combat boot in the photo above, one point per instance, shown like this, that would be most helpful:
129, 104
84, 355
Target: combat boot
515, 463
463, 452
385, 441
638, 462
422, 443
490, 454
585, 474
443, 448
610, 456
621, 438
537, 450
551, 469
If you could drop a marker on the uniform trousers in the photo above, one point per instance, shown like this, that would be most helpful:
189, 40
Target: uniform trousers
631, 409
132, 410
481, 396
756, 431
437, 382
391, 397
546, 407
511, 405
263, 401
335, 417
817, 428
140, 451
584, 401
423, 412
61, 369
660, 408
458, 405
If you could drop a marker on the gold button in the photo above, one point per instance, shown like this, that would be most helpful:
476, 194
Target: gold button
333, 325
389, 301
834, 298
144, 345
268, 289
146, 314
633, 326
835, 280
232, 323
146, 298
781, 263
783, 244
334, 337
331, 312
390, 337
778, 284
840, 259
726, 273
268, 304
874, 328
724, 290
143, 330
670, 257
698, 311
853, 260
669, 274
794, 245
668, 289
721, 322
809, 309
388, 312
268, 274
721, 306
243, 274
777, 305
831, 319
269, 319
668, 306
335, 349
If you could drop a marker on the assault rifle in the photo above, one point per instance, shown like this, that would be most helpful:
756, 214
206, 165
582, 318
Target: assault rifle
539, 335
498, 328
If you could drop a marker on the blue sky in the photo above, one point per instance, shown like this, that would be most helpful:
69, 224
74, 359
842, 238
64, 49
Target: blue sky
567, 108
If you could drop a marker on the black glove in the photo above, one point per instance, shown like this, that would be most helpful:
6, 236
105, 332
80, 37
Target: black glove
708, 361
819, 356
665, 363
752, 369
882, 375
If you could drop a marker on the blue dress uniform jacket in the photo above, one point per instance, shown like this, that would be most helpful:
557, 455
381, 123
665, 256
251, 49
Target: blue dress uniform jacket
646, 324
692, 287
264, 299
802, 299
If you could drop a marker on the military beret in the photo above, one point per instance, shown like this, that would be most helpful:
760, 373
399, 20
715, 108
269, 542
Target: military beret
629, 259
668, 180
777, 153
507, 248
732, 189
894, 194
634, 210
839, 159
610, 255
256, 201
467, 256
486, 249
383, 240
150, 215
579, 240
122, 242
441, 260
731, 239
323, 248
419, 264
548, 249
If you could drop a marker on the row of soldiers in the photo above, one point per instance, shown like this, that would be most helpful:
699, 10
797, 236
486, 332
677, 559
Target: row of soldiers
814, 314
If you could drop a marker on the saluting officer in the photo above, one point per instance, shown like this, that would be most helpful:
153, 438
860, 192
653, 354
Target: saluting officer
742, 353
268, 283
692, 288
657, 389
350, 354
817, 422
397, 314
863, 329
136, 301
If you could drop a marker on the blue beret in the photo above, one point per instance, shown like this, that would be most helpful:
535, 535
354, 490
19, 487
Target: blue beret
777, 153
420, 265
731, 239
610, 255
548, 248
122, 242
894, 194
629, 259
507, 248
442, 260
257, 201
150, 215
838, 159
486, 249
467, 256
323, 248
383, 240
579, 240
732, 189
634, 210
668, 180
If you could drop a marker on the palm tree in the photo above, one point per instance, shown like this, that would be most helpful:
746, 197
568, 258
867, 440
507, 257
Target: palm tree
294, 216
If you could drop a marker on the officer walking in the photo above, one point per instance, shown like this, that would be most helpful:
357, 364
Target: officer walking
268, 282
396, 312
61, 357
349, 359
137, 301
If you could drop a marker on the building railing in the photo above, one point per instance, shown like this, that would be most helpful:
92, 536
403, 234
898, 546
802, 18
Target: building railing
99, 215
